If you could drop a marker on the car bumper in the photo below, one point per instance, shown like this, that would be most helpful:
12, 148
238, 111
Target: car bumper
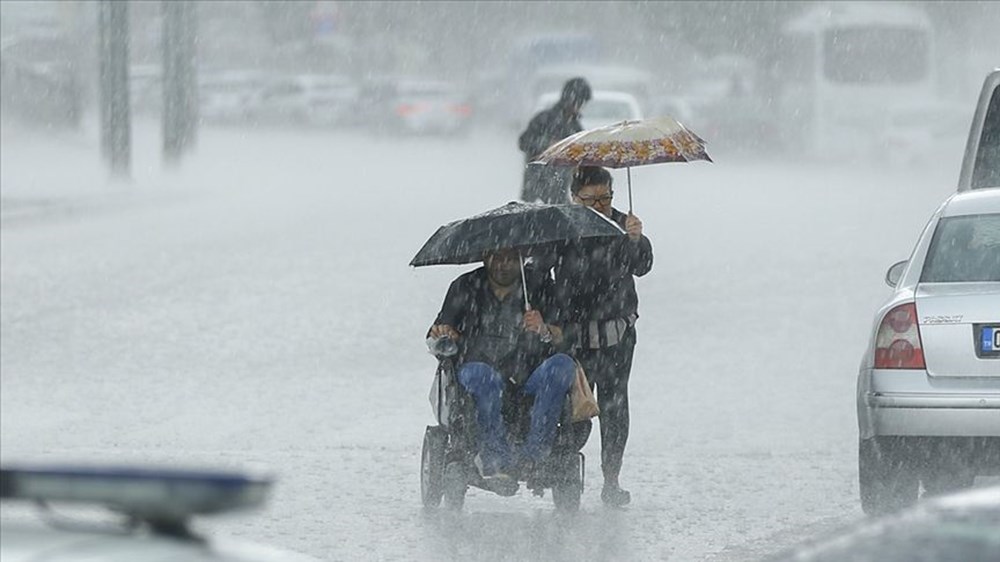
914, 404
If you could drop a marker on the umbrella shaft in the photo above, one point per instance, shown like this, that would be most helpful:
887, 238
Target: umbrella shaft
628, 174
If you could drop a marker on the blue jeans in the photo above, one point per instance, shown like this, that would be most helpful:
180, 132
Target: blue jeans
549, 384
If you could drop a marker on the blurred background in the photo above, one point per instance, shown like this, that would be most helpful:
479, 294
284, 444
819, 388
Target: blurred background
243, 296
746, 75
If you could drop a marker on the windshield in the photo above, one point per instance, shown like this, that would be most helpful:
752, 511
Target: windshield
870, 55
964, 249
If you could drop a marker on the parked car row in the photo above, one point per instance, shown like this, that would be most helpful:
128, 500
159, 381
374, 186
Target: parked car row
380, 104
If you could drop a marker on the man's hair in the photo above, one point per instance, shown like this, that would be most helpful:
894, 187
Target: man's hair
589, 175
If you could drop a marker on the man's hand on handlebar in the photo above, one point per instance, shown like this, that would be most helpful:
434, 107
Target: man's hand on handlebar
443, 330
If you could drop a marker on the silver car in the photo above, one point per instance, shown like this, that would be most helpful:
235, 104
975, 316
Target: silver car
928, 392
929, 385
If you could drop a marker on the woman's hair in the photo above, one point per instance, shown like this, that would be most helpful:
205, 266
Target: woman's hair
589, 175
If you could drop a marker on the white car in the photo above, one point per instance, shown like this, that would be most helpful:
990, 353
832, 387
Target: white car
604, 108
155, 508
430, 107
229, 96
314, 99
928, 393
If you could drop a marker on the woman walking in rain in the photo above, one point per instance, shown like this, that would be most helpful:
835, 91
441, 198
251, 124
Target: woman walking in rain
595, 290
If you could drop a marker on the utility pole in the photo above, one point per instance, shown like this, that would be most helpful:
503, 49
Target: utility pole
180, 94
116, 122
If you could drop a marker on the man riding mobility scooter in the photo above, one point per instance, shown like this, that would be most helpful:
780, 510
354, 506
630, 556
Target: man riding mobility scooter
501, 391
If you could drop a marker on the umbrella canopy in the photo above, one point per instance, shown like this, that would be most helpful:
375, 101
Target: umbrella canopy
516, 225
626, 144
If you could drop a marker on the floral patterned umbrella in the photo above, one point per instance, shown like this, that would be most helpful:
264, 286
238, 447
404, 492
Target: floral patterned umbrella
627, 144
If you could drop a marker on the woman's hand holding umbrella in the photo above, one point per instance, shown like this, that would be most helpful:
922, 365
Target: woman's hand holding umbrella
633, 227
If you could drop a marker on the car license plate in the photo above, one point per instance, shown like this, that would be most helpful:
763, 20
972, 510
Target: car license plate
989, 341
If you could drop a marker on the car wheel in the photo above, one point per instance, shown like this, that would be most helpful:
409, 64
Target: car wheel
432, 466
568, 488
455, 486
887, 479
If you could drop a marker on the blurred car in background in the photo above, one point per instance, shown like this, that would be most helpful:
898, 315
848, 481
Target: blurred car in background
307, 99
148, 517
430, 107
928, 388
40, 80
963, 527
604, 108
924, 133
229, 96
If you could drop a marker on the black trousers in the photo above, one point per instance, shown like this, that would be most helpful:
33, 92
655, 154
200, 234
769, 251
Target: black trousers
608, 369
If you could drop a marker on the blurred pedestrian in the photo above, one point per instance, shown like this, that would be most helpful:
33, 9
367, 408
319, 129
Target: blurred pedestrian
549, 184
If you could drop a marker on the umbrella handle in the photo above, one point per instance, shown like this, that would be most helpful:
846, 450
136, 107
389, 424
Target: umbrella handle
524, 282
628, 173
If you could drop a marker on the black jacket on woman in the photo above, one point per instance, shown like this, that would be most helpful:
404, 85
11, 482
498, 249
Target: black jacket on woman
594, 282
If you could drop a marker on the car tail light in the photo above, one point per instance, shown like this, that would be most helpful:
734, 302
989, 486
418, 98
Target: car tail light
464, 110
897, 344
410, 109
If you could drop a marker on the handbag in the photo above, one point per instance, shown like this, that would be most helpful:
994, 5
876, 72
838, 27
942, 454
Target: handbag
581, 398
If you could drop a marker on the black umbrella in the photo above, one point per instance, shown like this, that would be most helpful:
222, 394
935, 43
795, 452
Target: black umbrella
516, 225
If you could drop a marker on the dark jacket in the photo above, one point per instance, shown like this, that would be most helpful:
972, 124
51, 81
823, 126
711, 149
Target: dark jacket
547, 184
594, 279
545, 129
491, 330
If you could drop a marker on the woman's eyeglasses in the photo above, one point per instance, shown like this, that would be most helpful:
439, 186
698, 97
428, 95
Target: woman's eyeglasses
591, 201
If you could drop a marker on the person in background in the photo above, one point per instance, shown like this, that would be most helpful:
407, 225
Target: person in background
549, 126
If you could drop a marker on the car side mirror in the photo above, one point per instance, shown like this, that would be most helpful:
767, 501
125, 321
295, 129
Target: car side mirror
895, 272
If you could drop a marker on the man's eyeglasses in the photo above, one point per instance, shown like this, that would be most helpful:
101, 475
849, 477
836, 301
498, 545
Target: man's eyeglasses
591, 201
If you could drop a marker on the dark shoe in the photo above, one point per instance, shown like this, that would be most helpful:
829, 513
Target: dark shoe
614, 496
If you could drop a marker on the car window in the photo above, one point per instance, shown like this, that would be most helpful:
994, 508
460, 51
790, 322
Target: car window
986, 172
964, 249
